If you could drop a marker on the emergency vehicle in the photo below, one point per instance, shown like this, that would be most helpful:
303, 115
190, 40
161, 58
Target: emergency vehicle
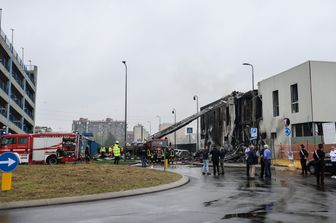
50, 148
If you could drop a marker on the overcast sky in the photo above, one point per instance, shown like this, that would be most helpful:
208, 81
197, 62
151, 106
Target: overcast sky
174, 49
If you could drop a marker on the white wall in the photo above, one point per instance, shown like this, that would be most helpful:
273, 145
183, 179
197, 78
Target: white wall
323, 76
298, 75
316, 82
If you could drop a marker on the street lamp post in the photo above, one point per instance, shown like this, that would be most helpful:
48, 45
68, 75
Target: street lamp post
22, 55
10, 82
253, 99
150, 127
0, 19
197, 133
248, 64
124, 62
174, 112
158, 116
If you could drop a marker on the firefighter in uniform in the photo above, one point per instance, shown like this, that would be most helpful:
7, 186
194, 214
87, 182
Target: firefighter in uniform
171, 155
116, 152
149, 156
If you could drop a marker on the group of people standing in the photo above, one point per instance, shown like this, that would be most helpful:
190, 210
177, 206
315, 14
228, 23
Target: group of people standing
251, 157
264, 156
112, 151
156, 156
319, 162
217, 157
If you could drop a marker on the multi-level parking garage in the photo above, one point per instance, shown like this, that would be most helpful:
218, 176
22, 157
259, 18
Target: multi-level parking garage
17, 90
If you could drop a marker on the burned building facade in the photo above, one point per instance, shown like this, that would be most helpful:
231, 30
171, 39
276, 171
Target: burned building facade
288, 109
232, 121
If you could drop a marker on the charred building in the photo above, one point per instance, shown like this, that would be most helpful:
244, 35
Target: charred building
231, 123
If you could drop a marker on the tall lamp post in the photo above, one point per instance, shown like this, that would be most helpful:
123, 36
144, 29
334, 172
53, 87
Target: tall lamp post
253, 106
10, 81
174, 112
158, 116
150, 127
0, 19
124, 62
248, 64
197, 133
22, 55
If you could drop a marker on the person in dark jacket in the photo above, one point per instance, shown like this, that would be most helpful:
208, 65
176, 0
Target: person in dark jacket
262, 163
319, 156
215, 160
222, 154
252, 160
143, 156
303, 159
87, 154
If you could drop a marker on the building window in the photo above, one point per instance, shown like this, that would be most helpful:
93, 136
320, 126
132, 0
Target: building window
301, 130
23, 140
294, 98
275, 103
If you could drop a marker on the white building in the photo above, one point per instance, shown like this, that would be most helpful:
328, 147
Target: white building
305, 95
140, 133
181, 134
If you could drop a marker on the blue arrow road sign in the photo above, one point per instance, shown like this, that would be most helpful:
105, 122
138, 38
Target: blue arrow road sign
288, 131
8, 162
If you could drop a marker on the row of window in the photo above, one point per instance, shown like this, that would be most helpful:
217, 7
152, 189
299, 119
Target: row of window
22, 140
294, 100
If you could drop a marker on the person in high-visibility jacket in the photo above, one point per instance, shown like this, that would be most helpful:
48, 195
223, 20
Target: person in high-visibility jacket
102, 151
110, 151
116, 152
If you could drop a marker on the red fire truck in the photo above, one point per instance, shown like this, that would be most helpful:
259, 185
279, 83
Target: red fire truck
50, 148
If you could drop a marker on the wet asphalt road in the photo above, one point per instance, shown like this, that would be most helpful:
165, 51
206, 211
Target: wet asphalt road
289, 197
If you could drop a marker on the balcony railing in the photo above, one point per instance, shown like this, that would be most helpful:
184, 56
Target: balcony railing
3, 111
29, 113
17, 101
16, 56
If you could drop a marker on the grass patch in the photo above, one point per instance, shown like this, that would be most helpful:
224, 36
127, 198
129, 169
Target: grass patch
32, 182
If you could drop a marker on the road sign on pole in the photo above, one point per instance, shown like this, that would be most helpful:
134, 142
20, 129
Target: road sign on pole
288, 131
254, 133
8, 162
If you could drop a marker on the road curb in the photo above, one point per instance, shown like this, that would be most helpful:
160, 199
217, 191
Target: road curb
94, 197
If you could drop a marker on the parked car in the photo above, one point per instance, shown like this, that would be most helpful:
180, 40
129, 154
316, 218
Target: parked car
329, 168
182, 154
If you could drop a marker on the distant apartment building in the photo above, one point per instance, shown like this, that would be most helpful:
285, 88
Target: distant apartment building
140, 133
42, 129
101, 129
17, 90
181, 135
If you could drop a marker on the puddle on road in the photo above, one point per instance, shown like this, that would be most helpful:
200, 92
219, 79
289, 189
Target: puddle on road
257, 215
